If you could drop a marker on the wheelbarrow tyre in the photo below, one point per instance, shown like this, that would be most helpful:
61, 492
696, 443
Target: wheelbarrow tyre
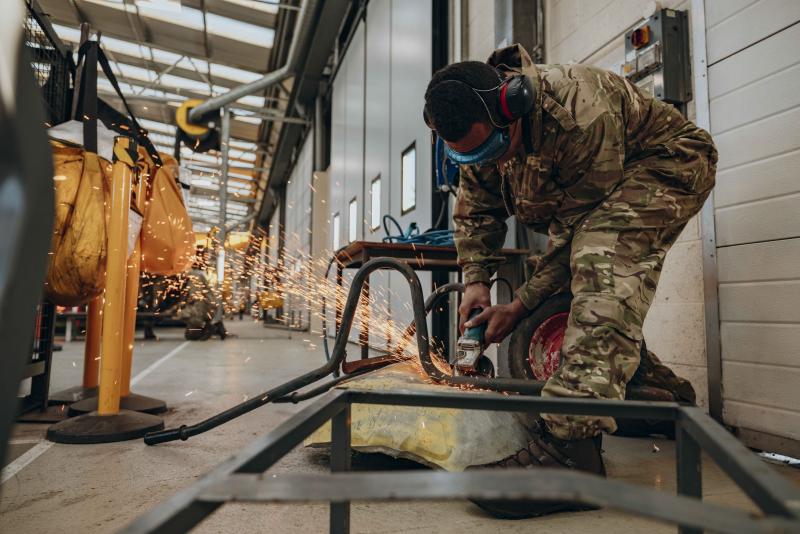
517, 354
520, 367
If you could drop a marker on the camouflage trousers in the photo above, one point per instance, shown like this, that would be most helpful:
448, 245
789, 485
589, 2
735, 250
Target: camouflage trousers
616, 255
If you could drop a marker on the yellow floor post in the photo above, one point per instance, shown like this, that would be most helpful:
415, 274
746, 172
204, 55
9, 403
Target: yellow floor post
131, 299
109, 422
91, 350
114, 305
128, 400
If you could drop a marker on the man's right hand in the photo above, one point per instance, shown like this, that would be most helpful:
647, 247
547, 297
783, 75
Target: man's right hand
476, 295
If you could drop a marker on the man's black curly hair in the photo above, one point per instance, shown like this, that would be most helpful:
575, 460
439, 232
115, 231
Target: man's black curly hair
452, 108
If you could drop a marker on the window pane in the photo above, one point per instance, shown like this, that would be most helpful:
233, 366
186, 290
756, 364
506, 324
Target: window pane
335, 230
352, 223
408, 178
375, 195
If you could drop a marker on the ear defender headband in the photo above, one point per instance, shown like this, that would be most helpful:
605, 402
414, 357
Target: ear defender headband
515, 97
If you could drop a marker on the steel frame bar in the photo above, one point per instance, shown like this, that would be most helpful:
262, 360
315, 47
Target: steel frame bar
242, 478
543, 484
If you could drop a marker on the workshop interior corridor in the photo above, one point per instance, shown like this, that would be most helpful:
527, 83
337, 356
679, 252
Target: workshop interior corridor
399, 266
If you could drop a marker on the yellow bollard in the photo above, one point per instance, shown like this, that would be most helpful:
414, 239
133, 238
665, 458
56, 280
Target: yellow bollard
114, 305
128, 400
91, 351
129, 328
109, 423
131, 300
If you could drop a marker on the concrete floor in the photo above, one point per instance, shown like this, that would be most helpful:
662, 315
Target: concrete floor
100, 488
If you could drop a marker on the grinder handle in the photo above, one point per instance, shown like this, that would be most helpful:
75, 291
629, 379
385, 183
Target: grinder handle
476, 332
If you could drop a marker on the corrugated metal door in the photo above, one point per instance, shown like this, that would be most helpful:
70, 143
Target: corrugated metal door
754, 93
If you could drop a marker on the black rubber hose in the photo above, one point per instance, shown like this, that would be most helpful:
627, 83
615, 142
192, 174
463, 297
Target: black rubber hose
325, 313
348, 315
298, 396
418, 305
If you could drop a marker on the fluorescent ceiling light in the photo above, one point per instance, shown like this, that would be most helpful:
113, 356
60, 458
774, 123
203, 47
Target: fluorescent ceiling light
263, 6
163, 148
155, 126
164, 140
164, 11
165, 5
243, 145
232, 73
240, 31
249, 120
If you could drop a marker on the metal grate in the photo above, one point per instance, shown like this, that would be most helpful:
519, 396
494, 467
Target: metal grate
52, 66
51, 63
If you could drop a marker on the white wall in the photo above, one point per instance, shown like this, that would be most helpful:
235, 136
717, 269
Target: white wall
298, 226
754, 93
411, 55
378, 96
480, 41
592, 32
377, 141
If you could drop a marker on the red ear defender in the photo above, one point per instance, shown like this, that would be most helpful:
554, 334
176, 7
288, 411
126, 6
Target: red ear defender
516, 97
504, 103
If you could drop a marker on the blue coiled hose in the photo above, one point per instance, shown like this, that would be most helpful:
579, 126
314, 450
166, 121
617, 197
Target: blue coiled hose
438, 238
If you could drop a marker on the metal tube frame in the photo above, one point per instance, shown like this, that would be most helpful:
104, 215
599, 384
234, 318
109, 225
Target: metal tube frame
242, 478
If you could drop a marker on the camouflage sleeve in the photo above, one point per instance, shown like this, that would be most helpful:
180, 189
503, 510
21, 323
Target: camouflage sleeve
552, 270
480, 228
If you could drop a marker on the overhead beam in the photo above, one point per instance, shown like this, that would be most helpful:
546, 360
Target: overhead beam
201, 191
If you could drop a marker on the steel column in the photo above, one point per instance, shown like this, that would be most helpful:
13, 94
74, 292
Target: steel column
225, 143
340, 461
708, 235
770, 491
688, 470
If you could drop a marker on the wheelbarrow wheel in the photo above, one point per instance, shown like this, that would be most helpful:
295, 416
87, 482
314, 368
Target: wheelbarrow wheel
534, 353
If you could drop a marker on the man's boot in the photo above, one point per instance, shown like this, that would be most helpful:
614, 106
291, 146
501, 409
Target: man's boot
545, 450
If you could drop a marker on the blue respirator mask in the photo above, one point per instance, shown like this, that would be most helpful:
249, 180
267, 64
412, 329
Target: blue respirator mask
515, 99
487, 152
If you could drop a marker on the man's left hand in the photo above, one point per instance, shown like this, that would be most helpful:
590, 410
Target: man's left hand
501, 319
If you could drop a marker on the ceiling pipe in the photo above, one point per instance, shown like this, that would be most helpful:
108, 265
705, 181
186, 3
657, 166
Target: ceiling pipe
301, 28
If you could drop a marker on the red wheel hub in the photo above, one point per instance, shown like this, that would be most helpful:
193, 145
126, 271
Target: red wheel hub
544, 352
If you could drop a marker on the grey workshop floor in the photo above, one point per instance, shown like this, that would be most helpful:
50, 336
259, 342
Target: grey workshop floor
100, 488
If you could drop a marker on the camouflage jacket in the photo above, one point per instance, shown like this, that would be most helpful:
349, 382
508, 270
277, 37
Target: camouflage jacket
587, 124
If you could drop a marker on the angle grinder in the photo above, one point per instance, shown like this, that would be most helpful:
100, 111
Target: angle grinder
469, 359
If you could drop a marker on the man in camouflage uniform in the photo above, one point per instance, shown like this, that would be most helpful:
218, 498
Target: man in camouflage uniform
197, 307
612, 176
